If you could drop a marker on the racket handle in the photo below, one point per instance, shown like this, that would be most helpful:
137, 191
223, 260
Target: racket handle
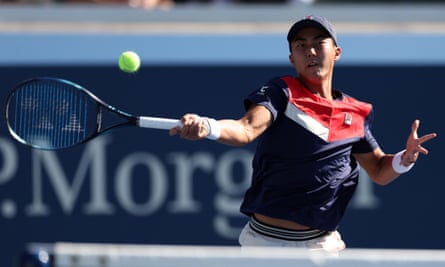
158, 123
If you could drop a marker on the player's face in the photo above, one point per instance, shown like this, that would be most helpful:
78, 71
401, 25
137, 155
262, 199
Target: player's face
313, 54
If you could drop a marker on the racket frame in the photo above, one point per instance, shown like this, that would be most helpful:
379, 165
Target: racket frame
128, 119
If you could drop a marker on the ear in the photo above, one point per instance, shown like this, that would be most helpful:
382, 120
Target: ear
291, 60
337, 53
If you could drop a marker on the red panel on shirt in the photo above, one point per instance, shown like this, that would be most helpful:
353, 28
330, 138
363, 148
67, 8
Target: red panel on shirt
344, 117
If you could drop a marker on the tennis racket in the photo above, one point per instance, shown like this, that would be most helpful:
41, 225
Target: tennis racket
52, 113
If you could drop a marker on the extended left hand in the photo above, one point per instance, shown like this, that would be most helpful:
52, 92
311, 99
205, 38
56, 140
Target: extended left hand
414, 144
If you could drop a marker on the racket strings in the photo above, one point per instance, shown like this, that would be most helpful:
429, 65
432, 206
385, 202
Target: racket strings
49, 114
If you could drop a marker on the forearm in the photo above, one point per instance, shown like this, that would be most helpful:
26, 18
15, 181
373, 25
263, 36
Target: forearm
384, 172
384, 168
390, 167
227, 131
244, 130
236, 133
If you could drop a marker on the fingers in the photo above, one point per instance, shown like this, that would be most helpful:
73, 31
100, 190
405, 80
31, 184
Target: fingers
173, 131
414, 143
192, 128
422, 139
427, 137
414, 128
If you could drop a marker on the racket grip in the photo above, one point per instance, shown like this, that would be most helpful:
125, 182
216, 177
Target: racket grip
158, 123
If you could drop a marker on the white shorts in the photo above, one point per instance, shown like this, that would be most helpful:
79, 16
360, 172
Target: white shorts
331, 242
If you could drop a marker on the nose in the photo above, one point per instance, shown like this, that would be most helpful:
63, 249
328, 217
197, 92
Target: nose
311, 51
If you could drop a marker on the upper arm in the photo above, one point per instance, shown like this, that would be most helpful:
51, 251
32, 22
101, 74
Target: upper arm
262, 108
370, 161
256, 120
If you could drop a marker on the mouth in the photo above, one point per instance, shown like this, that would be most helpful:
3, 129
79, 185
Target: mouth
312, 64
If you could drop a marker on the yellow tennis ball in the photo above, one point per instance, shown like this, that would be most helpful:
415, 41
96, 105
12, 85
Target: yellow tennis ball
129, 61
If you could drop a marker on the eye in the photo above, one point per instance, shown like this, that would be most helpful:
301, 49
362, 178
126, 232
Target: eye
324, 41
299, 45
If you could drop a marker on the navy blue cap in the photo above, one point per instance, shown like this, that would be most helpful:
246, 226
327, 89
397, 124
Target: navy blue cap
312, 21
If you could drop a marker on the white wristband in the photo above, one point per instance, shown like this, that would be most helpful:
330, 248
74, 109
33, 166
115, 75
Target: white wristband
213, 128
397, 163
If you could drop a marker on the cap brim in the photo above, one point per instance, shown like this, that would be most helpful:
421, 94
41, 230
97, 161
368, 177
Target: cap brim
305, 24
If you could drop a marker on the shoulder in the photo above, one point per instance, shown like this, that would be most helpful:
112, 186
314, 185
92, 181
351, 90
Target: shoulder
273, 95
278, 82
275, 87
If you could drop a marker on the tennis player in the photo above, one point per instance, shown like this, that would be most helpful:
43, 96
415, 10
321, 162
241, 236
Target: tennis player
312, 139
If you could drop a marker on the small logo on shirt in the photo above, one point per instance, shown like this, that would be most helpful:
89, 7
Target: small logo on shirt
262, 90
348, 119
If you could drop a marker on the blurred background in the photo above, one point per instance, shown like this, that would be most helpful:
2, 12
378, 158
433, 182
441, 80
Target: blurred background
139, 186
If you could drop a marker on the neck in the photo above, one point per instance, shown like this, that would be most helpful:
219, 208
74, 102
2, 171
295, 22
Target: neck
322, 89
